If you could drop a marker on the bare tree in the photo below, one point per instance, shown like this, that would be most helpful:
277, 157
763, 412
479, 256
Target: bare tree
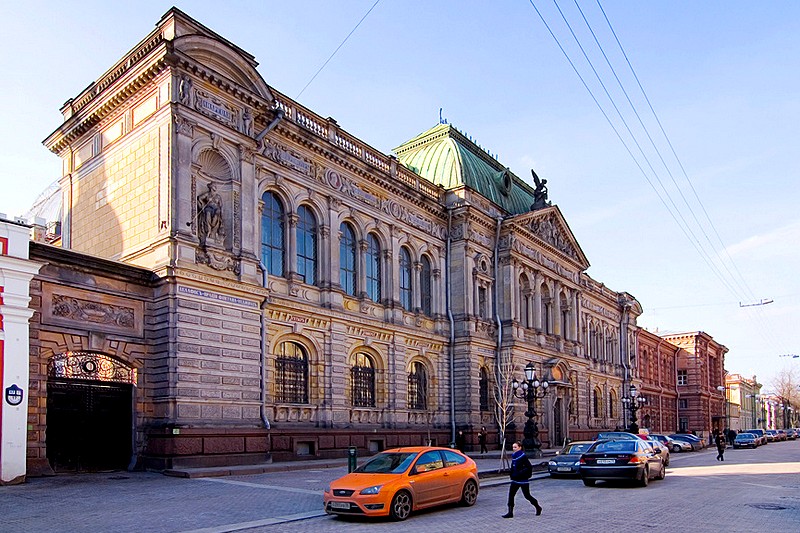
786, 384
504, 396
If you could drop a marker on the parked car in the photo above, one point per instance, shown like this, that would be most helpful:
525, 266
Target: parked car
762, 437
772, 435
398, 481
693, 441
625, 459
791, 434
745, 440
782, 436
660, 449
568, 460
674, 445
608, 435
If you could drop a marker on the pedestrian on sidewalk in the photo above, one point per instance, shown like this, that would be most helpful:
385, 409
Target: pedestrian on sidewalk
482, 439
720, 447
521, 470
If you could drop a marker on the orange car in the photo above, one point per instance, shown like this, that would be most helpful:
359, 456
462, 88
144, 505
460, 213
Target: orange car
398, 481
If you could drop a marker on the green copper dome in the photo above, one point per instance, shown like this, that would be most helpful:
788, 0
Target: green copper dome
446, 157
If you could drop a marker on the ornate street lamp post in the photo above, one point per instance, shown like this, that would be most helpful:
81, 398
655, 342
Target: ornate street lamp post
633, 403
724, 390
530, 390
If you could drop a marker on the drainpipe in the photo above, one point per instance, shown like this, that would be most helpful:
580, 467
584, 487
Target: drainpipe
497, 299
279, 114
263, 364
451, 348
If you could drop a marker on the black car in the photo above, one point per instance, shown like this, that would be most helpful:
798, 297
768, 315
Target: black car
632, 460
567, 460
745, 440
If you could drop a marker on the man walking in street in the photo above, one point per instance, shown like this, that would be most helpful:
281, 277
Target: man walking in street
482, 439
521, 470
720, 447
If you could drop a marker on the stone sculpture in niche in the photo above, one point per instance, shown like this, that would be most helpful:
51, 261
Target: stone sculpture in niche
209, 216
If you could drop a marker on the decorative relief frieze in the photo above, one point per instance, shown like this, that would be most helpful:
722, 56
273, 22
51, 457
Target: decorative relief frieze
283, 316
283, 156
366, 416
91, 310
550, 231
294, 413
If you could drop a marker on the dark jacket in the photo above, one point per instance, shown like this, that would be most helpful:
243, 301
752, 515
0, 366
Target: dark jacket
521, 468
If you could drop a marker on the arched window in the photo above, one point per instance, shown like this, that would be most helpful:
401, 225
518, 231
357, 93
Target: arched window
373, 265
612, 404
362, 381
418, 386
347, 259
597, 403
405, 279
426, 286
484, 390
291, 373
272, 239
547, 325
524, 301
307, 245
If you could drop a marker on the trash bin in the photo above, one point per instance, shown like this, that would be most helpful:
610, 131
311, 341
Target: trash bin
352, 455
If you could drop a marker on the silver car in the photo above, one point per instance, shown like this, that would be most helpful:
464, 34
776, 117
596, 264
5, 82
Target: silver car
674, 446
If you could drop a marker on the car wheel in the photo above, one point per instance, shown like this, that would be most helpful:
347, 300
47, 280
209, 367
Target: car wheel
645, 477
663, 472
470, 494
589, 482
676, 448
401, 506
666, 461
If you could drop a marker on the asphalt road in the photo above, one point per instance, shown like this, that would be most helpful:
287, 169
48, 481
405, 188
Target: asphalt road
753, 490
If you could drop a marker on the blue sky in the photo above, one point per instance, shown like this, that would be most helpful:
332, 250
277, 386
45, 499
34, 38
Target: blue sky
722, 77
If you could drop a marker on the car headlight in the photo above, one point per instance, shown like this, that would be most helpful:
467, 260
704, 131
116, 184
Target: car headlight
552, 463
328, 489
375, 489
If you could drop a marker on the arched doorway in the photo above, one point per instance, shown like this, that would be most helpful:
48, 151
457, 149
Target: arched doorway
89, 412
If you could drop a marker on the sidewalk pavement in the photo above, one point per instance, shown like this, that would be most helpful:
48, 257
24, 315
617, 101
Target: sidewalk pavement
489, 465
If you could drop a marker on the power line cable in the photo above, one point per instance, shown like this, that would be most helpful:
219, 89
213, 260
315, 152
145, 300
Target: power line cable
683, 227
337, 49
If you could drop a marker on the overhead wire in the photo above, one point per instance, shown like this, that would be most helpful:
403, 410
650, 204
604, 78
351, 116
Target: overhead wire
337, 49
735, 285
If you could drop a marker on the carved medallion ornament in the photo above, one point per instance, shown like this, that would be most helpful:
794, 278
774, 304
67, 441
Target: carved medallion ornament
548, 229
217, 261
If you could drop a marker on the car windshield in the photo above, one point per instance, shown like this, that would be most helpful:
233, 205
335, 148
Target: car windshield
577, 449
613, 446
745, 436
617, 435
387, 463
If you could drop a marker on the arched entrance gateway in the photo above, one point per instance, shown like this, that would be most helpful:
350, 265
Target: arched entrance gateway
89, 412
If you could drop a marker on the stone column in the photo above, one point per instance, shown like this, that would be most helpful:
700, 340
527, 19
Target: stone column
537, 301
361, 274
558, 327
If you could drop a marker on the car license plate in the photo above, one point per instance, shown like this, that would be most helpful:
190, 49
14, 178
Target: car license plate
564, 469
340, 505
606, 461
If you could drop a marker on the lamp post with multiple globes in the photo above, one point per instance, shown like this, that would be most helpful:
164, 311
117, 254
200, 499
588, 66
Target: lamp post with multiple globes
530, 390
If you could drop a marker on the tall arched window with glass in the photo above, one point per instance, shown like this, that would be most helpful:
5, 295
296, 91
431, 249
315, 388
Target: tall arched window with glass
307, 245
272, 234
373, 266
405, 279
418, 386
291, 374
483, 387
426, 286
347, 259
362, 381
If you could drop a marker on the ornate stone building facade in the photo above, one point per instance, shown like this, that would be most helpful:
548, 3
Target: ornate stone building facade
295, 292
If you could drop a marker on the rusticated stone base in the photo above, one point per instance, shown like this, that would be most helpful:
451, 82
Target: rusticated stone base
205, 447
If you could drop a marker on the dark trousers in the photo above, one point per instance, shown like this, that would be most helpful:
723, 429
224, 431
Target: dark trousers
526, 491
483, 447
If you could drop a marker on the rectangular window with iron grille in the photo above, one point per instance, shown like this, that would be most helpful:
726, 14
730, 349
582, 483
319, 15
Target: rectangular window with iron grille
291, 379
363, 382
417, 397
